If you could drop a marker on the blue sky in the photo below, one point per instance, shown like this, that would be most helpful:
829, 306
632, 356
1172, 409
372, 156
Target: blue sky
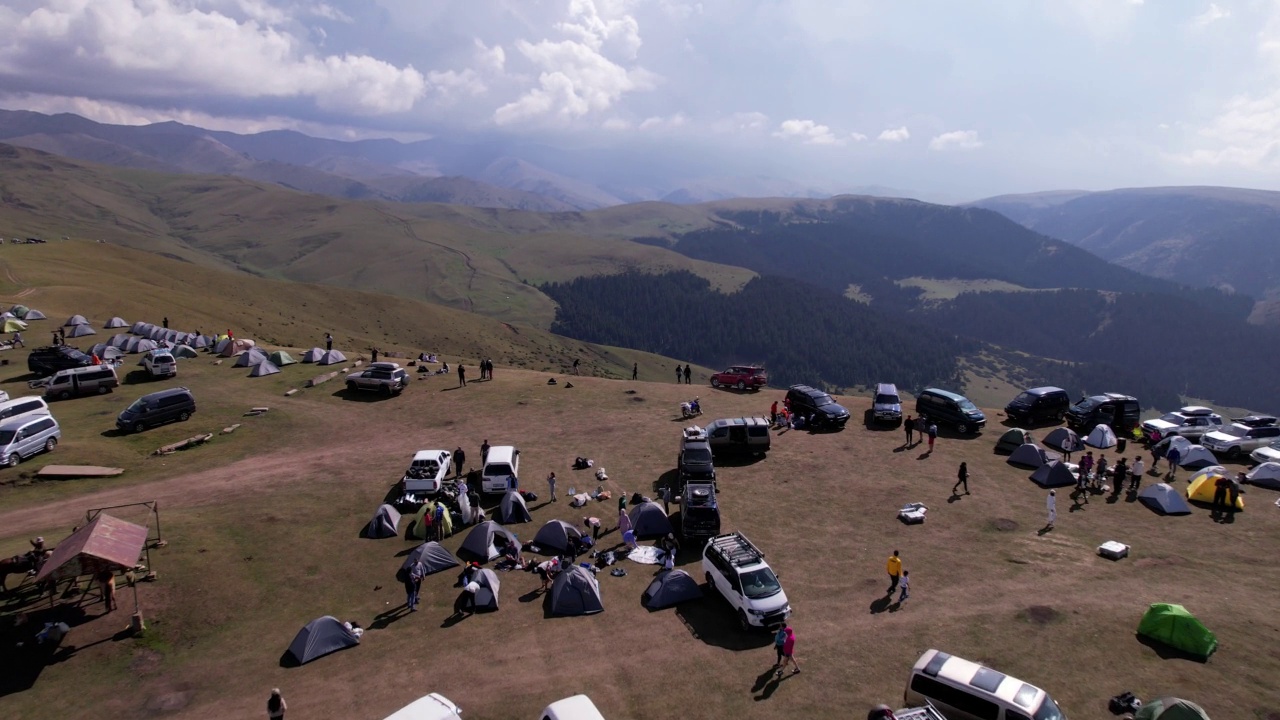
955, 99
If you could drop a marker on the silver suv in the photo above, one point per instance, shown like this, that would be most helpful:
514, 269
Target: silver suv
1237, 440
736, 569
387, 378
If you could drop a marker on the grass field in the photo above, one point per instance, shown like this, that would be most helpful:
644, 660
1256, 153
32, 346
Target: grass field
951, 288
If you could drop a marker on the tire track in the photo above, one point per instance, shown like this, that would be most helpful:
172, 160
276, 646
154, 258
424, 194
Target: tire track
466, 259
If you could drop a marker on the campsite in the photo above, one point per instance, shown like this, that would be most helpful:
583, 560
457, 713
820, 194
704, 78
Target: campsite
264, 531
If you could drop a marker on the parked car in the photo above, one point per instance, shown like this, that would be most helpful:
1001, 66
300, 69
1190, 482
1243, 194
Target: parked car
1039, 405
736, 569
739, 435
20, 407
694, 460
387, 378
809, 401
1257, 420
948, 408
501, 469
426, 473
578, 707
1119, 412
1191, 422
25, 436
160, 363
1270, 453
742, 377
157, 408
699, 511
964, 690
50, 359
1235, 440
429, 707
886, 407
88, 380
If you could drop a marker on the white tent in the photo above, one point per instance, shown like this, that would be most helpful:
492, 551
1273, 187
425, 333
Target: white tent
1265, 475
81, 331
331, 357
1196, 457
312, 355
75, 320
34, 314
1208, 472
115, 322
1101, 437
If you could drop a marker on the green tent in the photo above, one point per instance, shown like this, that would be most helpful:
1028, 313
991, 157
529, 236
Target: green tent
281, 358
19, 310
1171, 708
1177, 628
1012, 440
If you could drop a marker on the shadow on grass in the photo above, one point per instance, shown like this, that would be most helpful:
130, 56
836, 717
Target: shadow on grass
1166, 652
768, 683
362, 396
738, 459
881, 603
712, 621
24, 379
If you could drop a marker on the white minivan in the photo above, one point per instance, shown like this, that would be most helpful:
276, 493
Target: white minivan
23, 406
964, 690
27, 436
160, 363
428, 707
500, 466
578, 707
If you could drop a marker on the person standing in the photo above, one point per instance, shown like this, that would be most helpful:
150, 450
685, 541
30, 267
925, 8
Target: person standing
276, 705
413, 585
933, 435
1220, 495
909, 427
575, 366
551, 483
635, 371
679, 373
484, 451
789, 651
1051, 504
962, 478
107, 581
1118, 476
55, 338
166, 322
17, 340
1155, 456
1100, 474
1135, 473
688, 374
462, 375
906, 585
459, 457
373, 355
1173, 456
593, 524
624, 521
1086, 467
439, 523
894, 568
779, 641
328, 340
1233, 493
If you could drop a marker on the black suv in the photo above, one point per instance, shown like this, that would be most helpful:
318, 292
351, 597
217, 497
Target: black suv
50, 359
156, 409
807, 401
699, 513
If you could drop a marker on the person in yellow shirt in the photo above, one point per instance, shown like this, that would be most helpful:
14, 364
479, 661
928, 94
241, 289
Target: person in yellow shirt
894, 566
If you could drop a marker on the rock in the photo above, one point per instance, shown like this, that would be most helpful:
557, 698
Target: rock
290, 391
229, 430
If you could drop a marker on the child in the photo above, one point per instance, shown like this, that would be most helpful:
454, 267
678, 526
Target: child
904, 584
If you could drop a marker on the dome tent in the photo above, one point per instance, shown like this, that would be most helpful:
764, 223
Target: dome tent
1266, 475
312, 355
1028, 455
418, 529
483, 542
33, 314
75, 320
487, 593
106, 352
670, 587
1064, 439
1054, 474
1196, 457
1164, 500
1012, 439
11, 325
434, 556
115, 322
514, 509
281, 358
1179, 629
19, 311
575, 592
185, 351
263, 368
1171, 708
383, 523
1202, 488
249, 358
1101, 437
319, 638
555, 537
81, 331
331, 357
649, 520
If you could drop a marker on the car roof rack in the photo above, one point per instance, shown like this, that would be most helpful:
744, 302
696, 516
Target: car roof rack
737, 549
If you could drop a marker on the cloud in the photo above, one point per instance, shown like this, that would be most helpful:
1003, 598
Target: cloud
895, 135
807, 131
329, 12
493, 58
1210, 16
659, 123
956, 140
857, 137
1246, 134
741, 122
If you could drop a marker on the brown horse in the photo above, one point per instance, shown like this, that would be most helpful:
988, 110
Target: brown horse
20, 564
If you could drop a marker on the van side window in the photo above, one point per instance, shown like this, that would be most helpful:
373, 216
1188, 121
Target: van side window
1014, 715
956, 698
757, 431
41, 425
25, 407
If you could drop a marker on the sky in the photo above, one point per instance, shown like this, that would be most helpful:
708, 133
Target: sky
952, 100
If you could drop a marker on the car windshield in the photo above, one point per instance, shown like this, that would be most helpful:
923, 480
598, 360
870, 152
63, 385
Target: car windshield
1049, 710
967, 406
138, 406
760, 583
6, 437
1233, 431
1024, 398
699, 455
1087, 405
821, 399
886, 399
1275, 445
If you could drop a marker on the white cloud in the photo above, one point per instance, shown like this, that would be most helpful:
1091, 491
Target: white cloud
452, 83
1210, 16
857, 137
492, 58
807, 131
895, 134
329, 12
616, 124
741, 122
594, 31
956, 140
659, 123
1246, 134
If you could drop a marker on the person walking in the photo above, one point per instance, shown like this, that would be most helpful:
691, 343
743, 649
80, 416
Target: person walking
1086, 467
624, 521
1051, 504
679, 373
909, 427
779, 641
462, 375
894, 568
593, 524
17, 340
1155, 457
413, 584
789, 651
1173, 457
328, 340
484, 451
276, 705
1118, 476
906, 586
459, 457
1135, 473
635, 371
933, 435
688, 374
551, 483
962, 478
575, 366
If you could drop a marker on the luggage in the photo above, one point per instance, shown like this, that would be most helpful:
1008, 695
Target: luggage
912, 513
1113, 550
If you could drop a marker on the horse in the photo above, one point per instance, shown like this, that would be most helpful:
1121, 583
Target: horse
23, 564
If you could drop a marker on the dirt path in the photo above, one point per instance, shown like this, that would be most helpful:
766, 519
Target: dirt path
466, 259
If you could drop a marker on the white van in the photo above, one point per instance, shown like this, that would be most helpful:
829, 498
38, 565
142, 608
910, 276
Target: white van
502, 464
23, 406
160, 363
429, 707
27, 436
964, 690
73, 382
578, 707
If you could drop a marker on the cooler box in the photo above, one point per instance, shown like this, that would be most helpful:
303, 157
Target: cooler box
1113, 550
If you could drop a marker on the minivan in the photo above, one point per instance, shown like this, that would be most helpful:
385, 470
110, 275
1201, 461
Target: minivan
1039, 405
19, 407
1120, 412
741, 435
500, 466
160, 363
157, 408
73, 382
27, 436
942, 406
887, 405
964, 690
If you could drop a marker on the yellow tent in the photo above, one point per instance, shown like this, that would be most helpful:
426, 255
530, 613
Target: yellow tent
1201, 490
417, 532
12, 326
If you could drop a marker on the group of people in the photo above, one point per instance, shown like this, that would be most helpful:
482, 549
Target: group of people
922, 428
683, 374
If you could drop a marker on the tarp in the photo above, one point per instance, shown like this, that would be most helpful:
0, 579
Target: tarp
1101, 437
1064, 439
281, 358
1011, 439
434, 556
105, 543
13, 326
513, 509
553, 538
1171, 708
331, 357
77, 331
251, 357
576, 592
1266, 475
649, 520
33, 314
185, 351
265, 367
1203, 488
669, 588
1177, 628
418, 531
312, 355
1164, 499
1197, 456
319, 638
1028, 455
75, 320
1054, 474
482, 543
383, 524
115, 322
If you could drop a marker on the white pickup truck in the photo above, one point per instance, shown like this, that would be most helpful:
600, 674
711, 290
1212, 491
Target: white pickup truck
425, 475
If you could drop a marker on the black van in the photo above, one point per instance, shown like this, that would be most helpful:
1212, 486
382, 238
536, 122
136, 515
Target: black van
699, 513
942, 406
1121, 412
1039, 405
156, 409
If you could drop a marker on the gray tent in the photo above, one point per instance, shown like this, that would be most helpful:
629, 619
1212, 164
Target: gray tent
1028, 455
1101, 437
484, 541
137, 327
222, 344
75, 320
513, 509
33, 314
312, 355
669, 588
554, 537
1064, 439
185, 351
251, 357
1011, 439
1164, 499
576, 592
384, 522
81, 331
331, 357
1266, 475
650, 520
1196, 457
140, 345
1054, 474
433, 556
120, 340
105, 351
266, 367
487, 595
201, 341
319, 638
115, 322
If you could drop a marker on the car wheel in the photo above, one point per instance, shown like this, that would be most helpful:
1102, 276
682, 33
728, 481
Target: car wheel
139, 427
1233, 453
743, 624
385, 390
64, 395
185, 416
50, 444
14, 459
742, 385
710, 583
715, 382
962, 428
352, 386
103, 389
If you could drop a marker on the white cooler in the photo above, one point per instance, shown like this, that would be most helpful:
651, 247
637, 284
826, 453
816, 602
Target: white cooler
1113, 550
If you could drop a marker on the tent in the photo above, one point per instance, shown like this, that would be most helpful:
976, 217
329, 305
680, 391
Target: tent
115, 322
433, 556
482, 543
1177, 628
319, 638
13, 326
1172, 441
1028, 455
312, 355
105, 543
487, 595
1064, 439
1266, 475
185, 351
1216, 471
1101, 437
1164, 500
137, 327
77, 331
513, 509
554, 537
251, 357
1171, 708
263, 368
19, 311
201, 341
576, 592
140, 345
234, 347
1054, 474
1196, 457
669, 588
1011, 439
1202, 488
75, 320
331, 357
105, 351
383, 524
650, 520
119, 340
418, 531
6, 315
33, 314
281, 358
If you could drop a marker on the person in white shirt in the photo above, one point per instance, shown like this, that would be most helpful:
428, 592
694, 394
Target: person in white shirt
1135, 473
1052, 505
